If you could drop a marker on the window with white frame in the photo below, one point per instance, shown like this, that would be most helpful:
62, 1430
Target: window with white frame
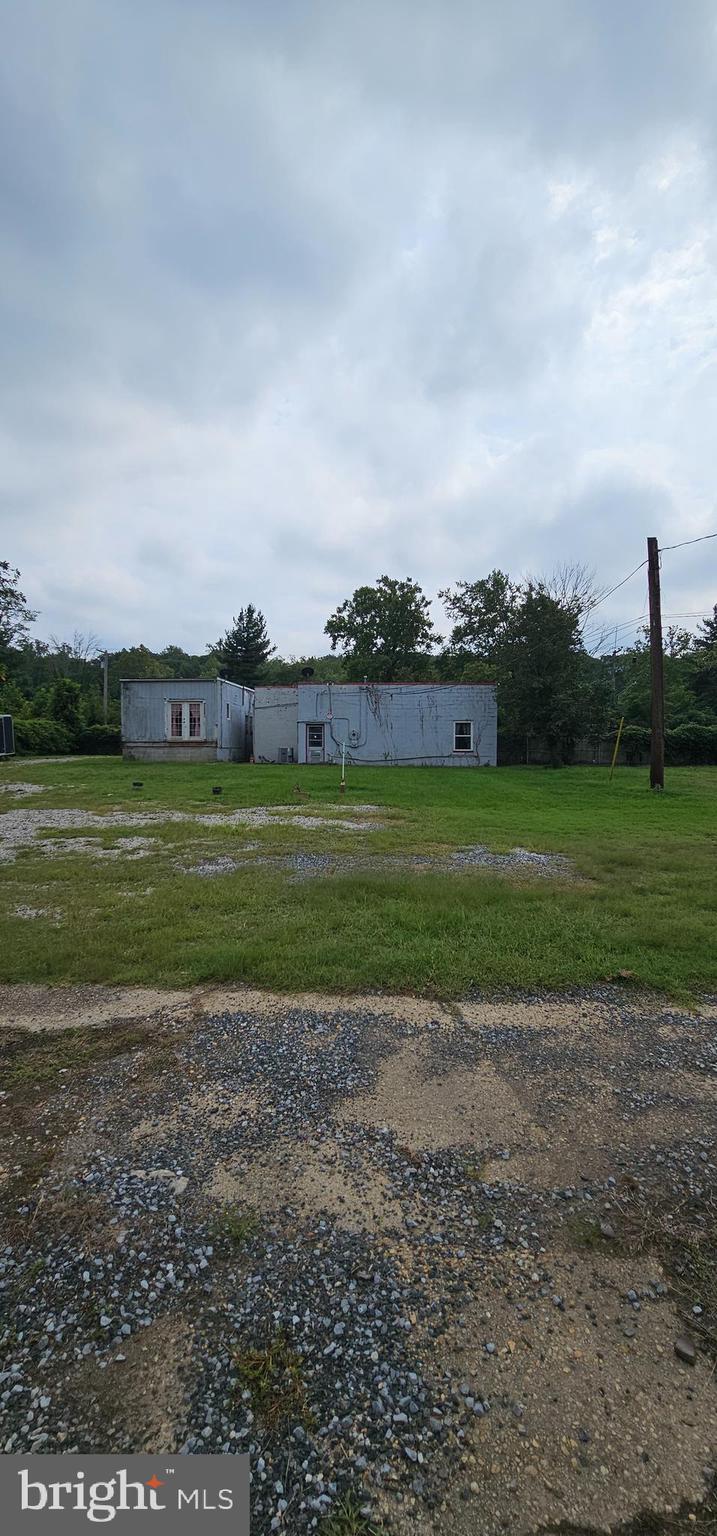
186, 720
463, 736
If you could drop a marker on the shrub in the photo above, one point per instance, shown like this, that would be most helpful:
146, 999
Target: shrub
99, 738
635, 743
65, 703
693, 742
42, 737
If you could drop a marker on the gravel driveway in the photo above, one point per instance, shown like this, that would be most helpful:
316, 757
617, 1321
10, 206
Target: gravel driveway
437, 1269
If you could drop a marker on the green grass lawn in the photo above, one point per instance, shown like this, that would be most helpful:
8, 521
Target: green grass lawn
644, 902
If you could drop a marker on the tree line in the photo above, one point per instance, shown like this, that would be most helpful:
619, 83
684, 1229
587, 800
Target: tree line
535, 638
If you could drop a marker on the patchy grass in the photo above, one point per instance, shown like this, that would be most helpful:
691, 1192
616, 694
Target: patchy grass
684, 1238
34, 1068
583, 1231
34, 1065
235, 1226
643, 904
346, 1520
273, 1376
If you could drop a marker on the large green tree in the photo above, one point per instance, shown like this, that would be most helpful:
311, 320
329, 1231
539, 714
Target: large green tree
384, 633
547, 687
526, 636
15, 614
245, 648
482, 612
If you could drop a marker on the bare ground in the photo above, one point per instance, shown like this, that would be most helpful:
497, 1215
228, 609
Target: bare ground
534, 1175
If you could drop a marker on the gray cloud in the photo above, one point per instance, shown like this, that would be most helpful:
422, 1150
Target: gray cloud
294, 295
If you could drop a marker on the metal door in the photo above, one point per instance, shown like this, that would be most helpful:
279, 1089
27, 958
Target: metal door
315, 744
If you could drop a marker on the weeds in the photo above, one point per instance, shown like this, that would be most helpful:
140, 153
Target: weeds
584, 1232
236, 1226
684, 1238
346, 1520
273, 1376
33, 1065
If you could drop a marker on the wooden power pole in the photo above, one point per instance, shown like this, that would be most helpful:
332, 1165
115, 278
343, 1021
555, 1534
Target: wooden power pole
657, 738
105, 684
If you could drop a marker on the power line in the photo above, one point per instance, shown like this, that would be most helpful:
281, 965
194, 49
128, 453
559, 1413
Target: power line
663, 550
618, 584
700, 540
612, 629
609, 629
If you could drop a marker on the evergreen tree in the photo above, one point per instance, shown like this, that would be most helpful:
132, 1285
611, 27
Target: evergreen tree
707, 633
245, 648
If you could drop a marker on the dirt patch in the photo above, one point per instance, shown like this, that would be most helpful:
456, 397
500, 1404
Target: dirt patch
41, 1007
214, 1108
590, 1420
582, 1145
138, 1395
409, 1010
475, 1108
572, 1017
37, 1007
311, 1182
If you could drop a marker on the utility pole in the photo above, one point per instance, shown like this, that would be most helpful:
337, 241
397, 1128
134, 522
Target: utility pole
657, 720
105, 683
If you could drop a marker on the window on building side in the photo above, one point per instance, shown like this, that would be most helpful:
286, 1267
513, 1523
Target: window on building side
463, 736
195, 719
176, 720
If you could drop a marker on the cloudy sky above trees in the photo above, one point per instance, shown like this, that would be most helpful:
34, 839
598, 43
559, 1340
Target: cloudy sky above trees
297, 293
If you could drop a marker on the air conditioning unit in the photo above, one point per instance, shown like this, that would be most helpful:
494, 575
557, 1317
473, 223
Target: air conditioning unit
7, 736
286, 754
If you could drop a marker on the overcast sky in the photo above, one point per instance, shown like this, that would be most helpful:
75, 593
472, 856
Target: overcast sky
293, 294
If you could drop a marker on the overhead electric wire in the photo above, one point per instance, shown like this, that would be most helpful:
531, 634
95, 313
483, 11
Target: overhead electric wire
700, 540
617, 586
664, 548
612, 629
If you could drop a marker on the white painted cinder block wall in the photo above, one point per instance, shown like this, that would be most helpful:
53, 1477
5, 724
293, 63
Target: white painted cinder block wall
401, 723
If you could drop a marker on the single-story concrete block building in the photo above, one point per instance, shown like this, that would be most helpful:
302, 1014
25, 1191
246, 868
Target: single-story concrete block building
444, 725
186, 720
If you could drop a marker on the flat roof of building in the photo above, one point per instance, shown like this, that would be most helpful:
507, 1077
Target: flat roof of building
187, 680
313, 682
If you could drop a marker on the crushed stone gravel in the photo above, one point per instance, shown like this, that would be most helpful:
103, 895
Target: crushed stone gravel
308, 866
401, 1366
21, 828
20, 789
